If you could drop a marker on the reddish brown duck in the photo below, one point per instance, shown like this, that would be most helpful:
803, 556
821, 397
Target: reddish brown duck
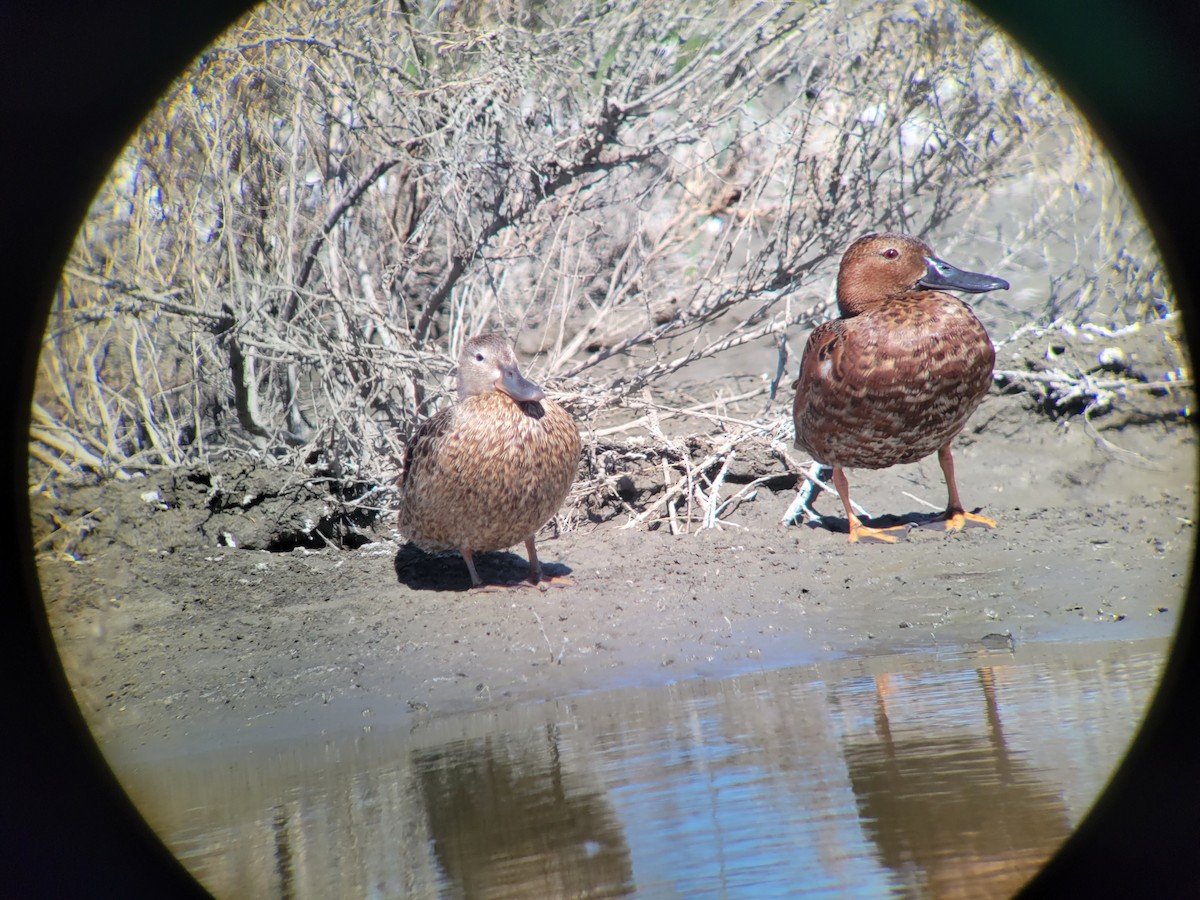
898, 375
491, 470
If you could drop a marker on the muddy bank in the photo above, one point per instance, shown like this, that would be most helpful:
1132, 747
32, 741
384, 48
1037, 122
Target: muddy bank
240, 602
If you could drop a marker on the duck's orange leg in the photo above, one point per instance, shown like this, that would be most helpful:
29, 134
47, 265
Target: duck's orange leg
857, 529
956, 517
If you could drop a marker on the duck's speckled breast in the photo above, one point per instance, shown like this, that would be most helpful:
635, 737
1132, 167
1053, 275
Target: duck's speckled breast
895, 385
487, 473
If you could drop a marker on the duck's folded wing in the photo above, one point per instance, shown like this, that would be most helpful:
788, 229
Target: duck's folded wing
822, 360
422, 446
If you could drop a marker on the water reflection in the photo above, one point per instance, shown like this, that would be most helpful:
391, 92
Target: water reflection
510, 819
953, 814
922, 774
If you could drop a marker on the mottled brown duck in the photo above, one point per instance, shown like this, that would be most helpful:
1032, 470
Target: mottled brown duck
896, 377
489, 471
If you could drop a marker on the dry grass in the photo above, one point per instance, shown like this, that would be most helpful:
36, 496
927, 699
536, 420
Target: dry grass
294, 246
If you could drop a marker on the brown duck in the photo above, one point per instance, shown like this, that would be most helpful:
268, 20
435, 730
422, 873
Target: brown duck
896, 377
491, 470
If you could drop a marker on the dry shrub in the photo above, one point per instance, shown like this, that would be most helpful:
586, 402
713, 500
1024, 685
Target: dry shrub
289, 254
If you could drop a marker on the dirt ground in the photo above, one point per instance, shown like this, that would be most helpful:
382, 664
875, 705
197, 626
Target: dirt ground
175, 639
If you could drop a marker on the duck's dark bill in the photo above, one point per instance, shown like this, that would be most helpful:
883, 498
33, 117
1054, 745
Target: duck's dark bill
517, 386
939, 275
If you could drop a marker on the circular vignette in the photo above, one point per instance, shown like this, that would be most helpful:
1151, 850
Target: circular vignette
79, 78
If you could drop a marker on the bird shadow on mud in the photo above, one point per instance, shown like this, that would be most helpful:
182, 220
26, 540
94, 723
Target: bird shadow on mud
910, 522
423, 571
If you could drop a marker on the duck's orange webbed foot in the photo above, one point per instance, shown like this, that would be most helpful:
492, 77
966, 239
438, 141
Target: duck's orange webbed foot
485, 588
860, 532
479, 586
541, 582
545, 582
957, 519
537, 576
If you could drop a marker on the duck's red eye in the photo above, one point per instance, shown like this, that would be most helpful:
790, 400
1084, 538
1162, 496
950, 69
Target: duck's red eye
891, 253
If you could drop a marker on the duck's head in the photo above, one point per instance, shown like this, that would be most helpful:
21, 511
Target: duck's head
880, 267
487, 364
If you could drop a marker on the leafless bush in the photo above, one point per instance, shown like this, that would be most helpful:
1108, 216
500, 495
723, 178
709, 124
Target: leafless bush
1107, 377
294, 246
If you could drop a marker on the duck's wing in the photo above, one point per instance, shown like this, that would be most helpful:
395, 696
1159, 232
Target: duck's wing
422, 446
827, 392
822, 359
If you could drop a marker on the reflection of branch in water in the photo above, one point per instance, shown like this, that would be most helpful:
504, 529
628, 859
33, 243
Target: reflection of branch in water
283, 852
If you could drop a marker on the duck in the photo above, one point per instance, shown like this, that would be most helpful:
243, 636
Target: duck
897, 375
490, 470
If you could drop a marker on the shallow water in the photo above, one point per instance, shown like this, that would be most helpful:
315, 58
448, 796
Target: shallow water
955, 773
